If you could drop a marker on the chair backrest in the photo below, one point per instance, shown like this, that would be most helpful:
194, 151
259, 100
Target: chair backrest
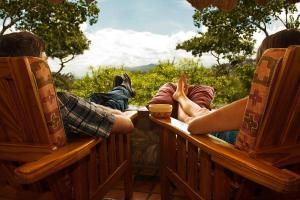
28, 106
271, 128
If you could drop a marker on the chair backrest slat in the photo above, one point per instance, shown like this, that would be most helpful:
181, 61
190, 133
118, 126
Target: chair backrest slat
271, 126
281, 122
21, 116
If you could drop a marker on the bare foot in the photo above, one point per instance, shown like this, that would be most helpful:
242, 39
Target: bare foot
181, 89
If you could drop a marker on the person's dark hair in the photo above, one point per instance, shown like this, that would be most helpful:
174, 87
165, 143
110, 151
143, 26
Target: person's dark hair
21, 44
281, 39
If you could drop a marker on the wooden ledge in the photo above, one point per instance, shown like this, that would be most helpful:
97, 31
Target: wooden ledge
132, 114
228, 156
49, 164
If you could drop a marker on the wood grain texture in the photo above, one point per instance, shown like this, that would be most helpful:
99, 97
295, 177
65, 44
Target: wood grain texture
181, 158
21, 115
23, 152
173, 152
226, 156
128, 177
93, 171
164, 181
103, 160
282, 130
205, 178
86, 168
112, 157
192, 166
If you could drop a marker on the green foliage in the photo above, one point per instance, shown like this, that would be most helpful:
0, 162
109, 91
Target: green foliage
57, 24
98, 80
229, 87
229, 35
64, 81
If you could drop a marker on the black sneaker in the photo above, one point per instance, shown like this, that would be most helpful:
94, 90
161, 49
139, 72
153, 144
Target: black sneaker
118, 80
127, 84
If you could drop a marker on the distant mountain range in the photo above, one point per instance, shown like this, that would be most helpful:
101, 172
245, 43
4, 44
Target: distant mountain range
142, 68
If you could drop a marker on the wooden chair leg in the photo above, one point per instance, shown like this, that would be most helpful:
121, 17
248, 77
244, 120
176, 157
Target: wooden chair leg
80, 180
164, 182
128, 182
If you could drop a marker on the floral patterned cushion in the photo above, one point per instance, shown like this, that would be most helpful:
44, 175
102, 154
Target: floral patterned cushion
47, 93
262, 82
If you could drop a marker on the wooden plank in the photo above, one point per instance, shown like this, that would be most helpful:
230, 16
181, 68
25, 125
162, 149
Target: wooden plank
226, 155
4, 68
291, 133
164, 182
192, 166
205, 176
112, 157
221, 189
56, 161
103, 161
11, 113
80, 180
120, 148
128, 177
110, 181
33, 120
281, 101
93, 171
172, 149
23, 152
179, 183
181, 158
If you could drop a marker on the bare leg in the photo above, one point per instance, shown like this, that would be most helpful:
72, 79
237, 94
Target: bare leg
188, 106
227, 118
182, 116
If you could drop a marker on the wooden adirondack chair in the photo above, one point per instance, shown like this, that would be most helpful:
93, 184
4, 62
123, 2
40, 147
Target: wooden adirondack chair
31, 166
264, 163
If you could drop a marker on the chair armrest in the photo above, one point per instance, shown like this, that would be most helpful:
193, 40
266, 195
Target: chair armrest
24, 152
235, 160
132, 114
59, 159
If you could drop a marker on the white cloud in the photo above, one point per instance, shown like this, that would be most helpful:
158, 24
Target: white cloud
185, 4
126, 47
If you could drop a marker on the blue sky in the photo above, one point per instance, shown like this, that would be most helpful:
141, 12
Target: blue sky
155, 16
133, 33
139, 32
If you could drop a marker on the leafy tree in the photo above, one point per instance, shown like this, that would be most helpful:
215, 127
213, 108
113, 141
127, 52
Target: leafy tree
57, 24
229, 35
64, 81
229, 87
97, 80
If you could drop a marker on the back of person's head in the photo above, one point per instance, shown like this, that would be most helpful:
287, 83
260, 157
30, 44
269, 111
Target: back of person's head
21, 44
281, 39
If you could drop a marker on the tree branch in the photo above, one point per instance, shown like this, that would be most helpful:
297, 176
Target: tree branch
62, 64
286, 17
12, 22
277, 17
217, 57
264, 29
3, 26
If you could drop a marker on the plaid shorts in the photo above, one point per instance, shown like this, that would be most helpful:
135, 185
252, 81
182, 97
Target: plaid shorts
84, 118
